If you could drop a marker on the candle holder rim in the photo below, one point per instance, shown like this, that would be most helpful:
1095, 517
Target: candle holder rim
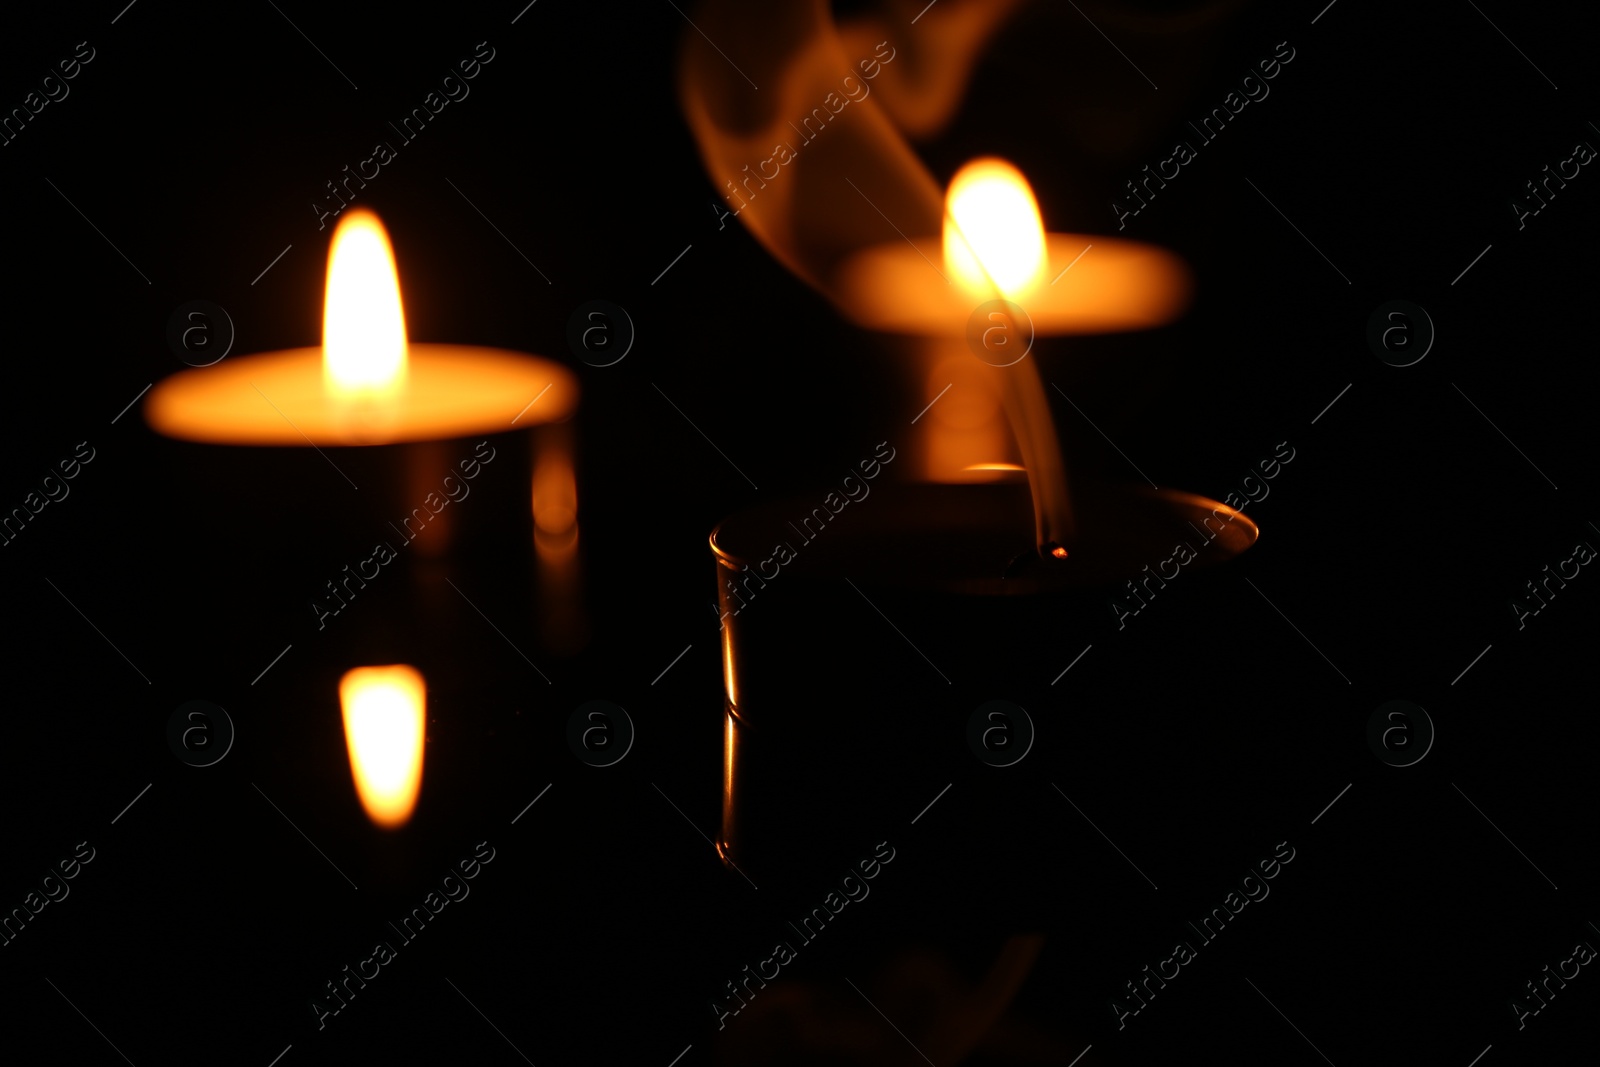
1038, 575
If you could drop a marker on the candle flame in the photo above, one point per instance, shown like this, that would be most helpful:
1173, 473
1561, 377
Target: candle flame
363, 324
994, 244
383, 727
993, 235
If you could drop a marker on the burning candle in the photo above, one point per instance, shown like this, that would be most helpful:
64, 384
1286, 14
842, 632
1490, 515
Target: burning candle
1006, 281
366, 384
994, 246
384, 715
952, 557
409, 419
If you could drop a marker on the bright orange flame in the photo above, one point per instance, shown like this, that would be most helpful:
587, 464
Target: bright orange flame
383, 727
363, 324
993, 235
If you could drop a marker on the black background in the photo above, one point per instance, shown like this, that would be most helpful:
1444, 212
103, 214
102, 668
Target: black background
1208, 730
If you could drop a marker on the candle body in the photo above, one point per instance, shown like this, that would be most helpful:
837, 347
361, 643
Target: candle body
858, 649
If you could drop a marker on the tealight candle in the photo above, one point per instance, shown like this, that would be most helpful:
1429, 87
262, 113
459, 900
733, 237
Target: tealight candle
407, 425
999, 265
366, 384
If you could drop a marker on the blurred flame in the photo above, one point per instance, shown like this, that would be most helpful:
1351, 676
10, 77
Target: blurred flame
384, 709
993, 235
363, 325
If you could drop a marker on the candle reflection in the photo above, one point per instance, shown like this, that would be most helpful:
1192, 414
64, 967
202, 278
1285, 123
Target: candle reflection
564, 627
964, 436
384, 711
